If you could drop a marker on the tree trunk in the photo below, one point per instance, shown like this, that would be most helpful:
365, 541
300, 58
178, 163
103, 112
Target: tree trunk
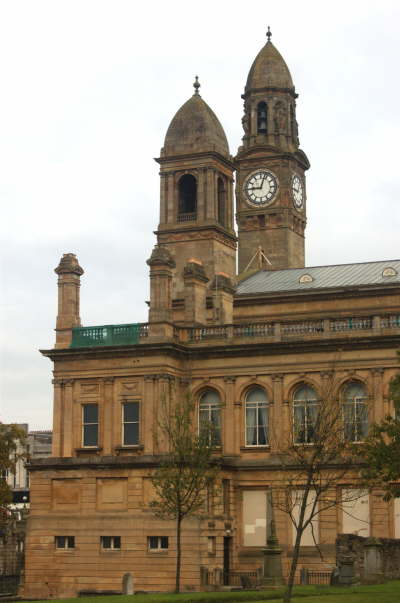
178, 554
287, 597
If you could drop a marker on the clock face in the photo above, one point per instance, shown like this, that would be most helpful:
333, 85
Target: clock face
260, 188
297, 192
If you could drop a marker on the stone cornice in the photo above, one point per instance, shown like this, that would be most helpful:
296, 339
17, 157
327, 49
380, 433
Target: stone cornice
228, 161
233, 463
226, 349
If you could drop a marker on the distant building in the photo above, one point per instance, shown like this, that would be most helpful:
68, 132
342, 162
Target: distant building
37, 445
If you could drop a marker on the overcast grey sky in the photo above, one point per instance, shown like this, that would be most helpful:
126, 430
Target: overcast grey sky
88, 88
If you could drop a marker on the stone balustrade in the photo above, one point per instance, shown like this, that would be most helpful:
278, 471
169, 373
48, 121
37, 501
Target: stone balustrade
129, 334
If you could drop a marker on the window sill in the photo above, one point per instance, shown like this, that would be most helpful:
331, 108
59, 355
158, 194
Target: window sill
111, 551
129, 448
164, 552
88, 450
65, 551
262, 448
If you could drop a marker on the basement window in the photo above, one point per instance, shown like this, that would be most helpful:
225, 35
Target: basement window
157, 543
65, 542
110, 543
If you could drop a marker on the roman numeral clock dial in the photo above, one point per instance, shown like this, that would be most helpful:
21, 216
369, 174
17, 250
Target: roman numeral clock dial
260, 188
297, 192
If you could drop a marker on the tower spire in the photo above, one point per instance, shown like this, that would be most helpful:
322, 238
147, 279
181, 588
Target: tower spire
269, 34
196, 85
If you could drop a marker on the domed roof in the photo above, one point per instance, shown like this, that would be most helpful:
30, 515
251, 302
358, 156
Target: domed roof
195, 129
269, 69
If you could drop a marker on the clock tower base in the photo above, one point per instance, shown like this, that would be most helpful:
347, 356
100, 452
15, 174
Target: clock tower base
281, 246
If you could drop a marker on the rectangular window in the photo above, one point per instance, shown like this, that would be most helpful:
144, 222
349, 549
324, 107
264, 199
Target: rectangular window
210, 422
256, 424
355, 508
65, 542
90, 425
157, 543
211, 545
254, 517
310, 536
355, 420
110, 543
130, 423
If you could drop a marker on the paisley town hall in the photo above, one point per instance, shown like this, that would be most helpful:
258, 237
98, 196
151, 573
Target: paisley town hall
237, 319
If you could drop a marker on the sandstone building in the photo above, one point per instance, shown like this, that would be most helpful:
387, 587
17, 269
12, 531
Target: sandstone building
255, 349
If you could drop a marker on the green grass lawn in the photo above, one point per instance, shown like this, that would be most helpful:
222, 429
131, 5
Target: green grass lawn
382, 593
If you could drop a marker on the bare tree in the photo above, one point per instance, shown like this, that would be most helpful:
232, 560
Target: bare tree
315, 457
187, 472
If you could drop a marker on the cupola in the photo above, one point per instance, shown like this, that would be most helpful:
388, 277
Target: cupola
269, 70
194, 129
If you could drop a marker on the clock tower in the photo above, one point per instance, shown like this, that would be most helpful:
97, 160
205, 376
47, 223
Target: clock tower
270, 184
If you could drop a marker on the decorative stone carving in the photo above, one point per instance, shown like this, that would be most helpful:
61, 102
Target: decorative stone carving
280, 118
160, 256
194, 269
69, 264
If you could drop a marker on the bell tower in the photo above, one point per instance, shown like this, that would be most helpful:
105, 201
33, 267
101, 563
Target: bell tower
196, 195
270, 184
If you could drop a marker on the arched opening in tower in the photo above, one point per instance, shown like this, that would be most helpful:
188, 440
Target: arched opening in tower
187, 198
262, 114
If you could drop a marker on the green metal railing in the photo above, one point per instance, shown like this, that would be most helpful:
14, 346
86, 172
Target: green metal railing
83, 337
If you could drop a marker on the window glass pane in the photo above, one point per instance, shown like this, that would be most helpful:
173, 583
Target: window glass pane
90, 435
299, 424
348, 418
164, 542
71, 542
90, 413
262, 425
131, 434
106, 542
362, 421
60, 542
256, 394
210, 396
251, 426
117, 542
131, 411
153, 542
354, 390
305, 393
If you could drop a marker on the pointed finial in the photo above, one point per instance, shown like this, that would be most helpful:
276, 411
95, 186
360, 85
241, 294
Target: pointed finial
196, 85
269, 34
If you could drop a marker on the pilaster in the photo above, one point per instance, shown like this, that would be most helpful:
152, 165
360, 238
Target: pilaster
67, 418
230, 445
109, 438
57, 443
279, 410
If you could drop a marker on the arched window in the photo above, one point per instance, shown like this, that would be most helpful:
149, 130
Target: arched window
305, 413
355, 412
221, 201
187, 198
262, 118
210, 416
256, 417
